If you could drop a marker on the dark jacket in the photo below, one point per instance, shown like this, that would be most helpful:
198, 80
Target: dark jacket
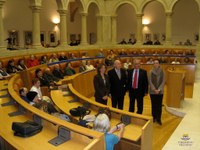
50, 78
142, 81
117, 86
43, 81
58, 73
101, 89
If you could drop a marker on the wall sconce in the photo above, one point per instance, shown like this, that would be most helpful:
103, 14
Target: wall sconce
145, 22
56, 21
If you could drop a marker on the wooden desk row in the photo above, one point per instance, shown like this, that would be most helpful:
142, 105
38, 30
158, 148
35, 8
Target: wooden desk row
137, 135
81, 138
82, 87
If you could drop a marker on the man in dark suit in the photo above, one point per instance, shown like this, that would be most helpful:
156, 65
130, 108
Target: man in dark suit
138, 86
117, 77
57, 72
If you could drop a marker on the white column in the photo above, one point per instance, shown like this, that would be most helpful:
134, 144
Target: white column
99, 29
84, 29
2, 45
114, 29
168, 40
139, 29
36, 27
63, 28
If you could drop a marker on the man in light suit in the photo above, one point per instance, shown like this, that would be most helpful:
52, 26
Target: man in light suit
138, 86
117, 78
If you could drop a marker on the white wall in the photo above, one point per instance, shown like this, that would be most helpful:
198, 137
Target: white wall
17, 16
185, 21
126, 22
155, 13
92, 23
75, 26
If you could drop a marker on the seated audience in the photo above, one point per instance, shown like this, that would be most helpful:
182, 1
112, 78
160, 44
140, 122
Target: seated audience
23, 94
99, 61
36, 88
32, 61
53, 58
73, 43
186, 60
110, 58
102, 124
122, 52
57, 72
122, 42
157, 42
82, 67
148, 42
50, 77
150, 61
100, 53
39, 75
175, 61
167, 52
3, 73
21, 64
43, 59
72, 56
11, 68
89, 66
32, 96
134, 41
85, 55
50, 109
69, 70
187, 42
62, 57
163, 60
127, 64
190, 53
142, 52
130, 41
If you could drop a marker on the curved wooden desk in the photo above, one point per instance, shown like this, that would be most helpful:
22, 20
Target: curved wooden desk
137, 135
79, 135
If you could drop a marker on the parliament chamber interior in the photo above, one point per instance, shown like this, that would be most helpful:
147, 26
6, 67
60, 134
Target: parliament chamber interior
75, 37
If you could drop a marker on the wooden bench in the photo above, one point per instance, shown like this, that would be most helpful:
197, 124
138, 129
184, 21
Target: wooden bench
137, 135
81, 138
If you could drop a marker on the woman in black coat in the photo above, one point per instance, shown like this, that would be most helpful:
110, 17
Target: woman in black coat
101, 85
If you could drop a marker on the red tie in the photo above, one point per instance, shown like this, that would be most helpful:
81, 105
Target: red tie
135, 79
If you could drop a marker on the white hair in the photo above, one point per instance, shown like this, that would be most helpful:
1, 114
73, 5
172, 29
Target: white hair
102, 123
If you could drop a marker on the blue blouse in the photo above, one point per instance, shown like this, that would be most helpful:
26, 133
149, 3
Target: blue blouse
111, 140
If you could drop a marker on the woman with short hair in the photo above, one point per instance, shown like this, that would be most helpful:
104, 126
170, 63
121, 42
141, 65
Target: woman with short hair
102, 124
101, 85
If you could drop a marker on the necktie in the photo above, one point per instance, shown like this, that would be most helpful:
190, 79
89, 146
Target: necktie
135, 79
119, 74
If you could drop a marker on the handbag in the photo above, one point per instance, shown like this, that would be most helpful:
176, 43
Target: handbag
79, 111
26, 129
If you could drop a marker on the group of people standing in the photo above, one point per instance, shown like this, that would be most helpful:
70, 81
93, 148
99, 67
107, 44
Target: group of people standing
136, 81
